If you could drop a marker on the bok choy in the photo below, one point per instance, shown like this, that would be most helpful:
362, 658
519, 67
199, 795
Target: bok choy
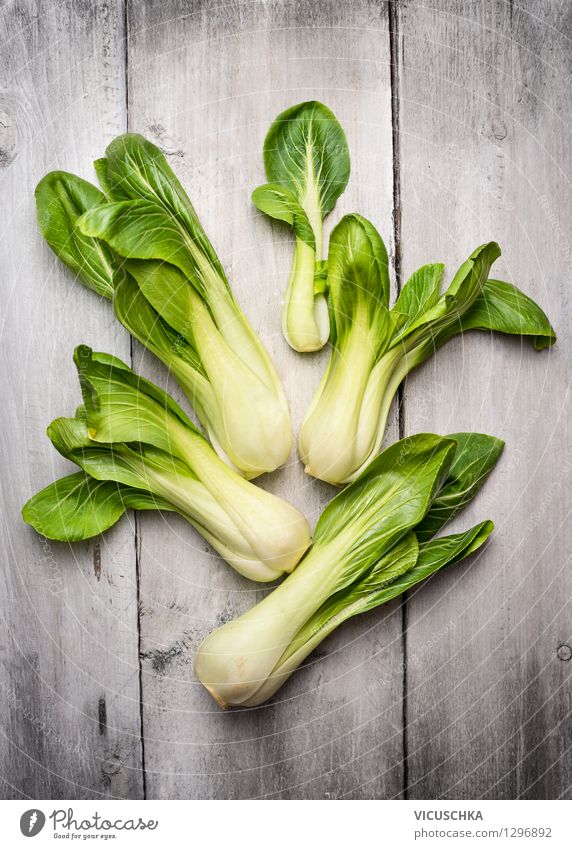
375, 347
140, 243
137, 448
307, 164
373, 541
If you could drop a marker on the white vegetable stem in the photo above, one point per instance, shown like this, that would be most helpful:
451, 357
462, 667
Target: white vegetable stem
346, 419
305, 321
248, 414
261, 535
236, 659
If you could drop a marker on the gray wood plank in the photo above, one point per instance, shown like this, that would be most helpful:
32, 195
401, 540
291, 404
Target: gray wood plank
69, 681
205, 82
485, 153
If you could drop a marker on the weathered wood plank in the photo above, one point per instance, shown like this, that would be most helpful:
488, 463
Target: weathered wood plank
205, 81
485, 153
69, 693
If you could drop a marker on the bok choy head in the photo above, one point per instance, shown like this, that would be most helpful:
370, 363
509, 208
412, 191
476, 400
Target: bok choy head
374, 347
141, 243
307, 165
372, 542
136, 441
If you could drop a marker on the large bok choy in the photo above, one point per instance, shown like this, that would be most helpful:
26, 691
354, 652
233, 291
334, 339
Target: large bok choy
308, 166
137, 448
374, 347
140, 243
372, 542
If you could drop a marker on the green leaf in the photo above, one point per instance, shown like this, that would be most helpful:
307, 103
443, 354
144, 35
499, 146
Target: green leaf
440, 322
139, 499
125, 464
358, 279
306, 151
100, 168
136, 313
407, 565
136, 170
281, 203
388, 499
133, 465
435, 555
61, 199
320, 276
504, 308
124, 407
360, 596
443, 321
78, 507
465, 287
474, 459
419, 294
69, 434
471, 276
167, 290
145, 230
100, 367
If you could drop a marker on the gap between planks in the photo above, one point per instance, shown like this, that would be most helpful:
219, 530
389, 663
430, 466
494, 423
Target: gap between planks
137, 536
394, 35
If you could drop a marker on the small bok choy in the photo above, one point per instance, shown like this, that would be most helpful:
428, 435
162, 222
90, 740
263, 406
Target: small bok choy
137, 448
140, 244
373, 541
374, 347
307, 164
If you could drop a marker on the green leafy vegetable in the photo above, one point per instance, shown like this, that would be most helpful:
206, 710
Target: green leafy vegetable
308, 166
502, 307
142, 244
374, 347
400, 570
61, 199
366, 551
356, 529
78, 507
132, 437
475, 458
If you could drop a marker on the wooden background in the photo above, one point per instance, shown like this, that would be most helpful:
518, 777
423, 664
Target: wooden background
457, 114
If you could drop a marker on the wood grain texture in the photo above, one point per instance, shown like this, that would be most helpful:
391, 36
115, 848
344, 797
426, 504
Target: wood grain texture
69, 694
205, 82
485, 154
481, 116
